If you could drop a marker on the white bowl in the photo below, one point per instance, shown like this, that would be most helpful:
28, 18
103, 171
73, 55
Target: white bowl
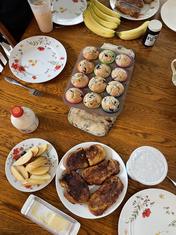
147, 165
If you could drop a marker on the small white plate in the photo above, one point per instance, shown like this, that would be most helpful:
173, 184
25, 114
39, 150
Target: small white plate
37, 59
51, 154
168, 14
149, 212
82, 210
147, 11
69, 12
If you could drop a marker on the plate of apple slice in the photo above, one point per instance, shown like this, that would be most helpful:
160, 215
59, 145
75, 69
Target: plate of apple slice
31, 165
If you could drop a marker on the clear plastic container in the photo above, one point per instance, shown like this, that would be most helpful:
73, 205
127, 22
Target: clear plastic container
49, 217
147, 165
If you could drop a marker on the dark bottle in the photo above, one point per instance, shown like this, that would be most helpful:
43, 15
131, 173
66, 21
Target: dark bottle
153, 30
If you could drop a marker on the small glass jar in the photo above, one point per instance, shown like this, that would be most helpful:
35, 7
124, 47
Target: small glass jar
153, 30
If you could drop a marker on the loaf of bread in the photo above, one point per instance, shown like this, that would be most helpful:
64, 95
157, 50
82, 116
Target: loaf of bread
92, 123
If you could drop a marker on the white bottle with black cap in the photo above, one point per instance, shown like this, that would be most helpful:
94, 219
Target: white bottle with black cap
153, 30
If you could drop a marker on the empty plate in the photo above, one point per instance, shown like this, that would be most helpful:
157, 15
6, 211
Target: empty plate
37, 59
149, 212
68, 12
168, 14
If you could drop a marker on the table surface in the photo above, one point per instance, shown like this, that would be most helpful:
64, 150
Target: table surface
148, 118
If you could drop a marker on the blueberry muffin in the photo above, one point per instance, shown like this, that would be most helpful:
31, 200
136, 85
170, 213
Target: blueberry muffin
74, 95
79, 80
123, 60
107, 57
110, 104
115, 88
85, 66
102, 70
119, 74
92, 100
97, 84
90, 53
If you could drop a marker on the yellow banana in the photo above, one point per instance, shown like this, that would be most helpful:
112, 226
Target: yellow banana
95, 27
107, 24
134, 33
105, 9
105, 16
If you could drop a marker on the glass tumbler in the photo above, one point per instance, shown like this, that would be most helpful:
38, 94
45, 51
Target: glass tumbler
42, 12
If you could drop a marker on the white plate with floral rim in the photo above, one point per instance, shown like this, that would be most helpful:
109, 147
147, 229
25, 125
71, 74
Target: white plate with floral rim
18, 150
147, 11
149, 212
82, 210
68, 12
37, 59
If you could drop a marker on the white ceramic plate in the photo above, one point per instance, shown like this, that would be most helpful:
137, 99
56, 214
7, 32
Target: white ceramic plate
51, 154
168, 14
149, 212
69, 12
37, 59
147, 11
82, 210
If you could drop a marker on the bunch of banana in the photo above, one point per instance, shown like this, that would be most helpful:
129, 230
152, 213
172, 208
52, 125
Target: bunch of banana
105, 9
134, 33
100, 19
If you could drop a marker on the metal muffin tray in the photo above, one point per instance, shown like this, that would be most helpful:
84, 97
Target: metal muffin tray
118, 50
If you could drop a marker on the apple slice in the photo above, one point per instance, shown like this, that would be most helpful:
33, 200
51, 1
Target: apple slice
42, 149
40, 161
16, 174
30, 182
22, 170
40, 170
41, 177
35, 151
23, 159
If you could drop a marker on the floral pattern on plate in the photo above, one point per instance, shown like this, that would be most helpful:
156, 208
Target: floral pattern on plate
18, 151
151, 211
141, 207
68, 12
37, 59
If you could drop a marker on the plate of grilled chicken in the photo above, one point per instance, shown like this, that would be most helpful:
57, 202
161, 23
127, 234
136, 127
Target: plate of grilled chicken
91, 180
135, 9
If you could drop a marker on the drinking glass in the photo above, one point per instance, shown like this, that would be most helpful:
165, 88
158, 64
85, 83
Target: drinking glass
42, 12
